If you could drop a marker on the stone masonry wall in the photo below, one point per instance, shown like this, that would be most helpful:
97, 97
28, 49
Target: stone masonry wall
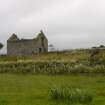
26, 47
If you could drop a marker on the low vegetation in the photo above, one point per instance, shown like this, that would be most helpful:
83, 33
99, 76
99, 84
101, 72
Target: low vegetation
71, 95
61, 78
72, 62
38, 90
51, 68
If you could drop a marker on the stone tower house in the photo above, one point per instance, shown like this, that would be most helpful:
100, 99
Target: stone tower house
25, 47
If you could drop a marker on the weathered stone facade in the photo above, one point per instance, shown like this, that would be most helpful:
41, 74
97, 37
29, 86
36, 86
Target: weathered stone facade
25, 47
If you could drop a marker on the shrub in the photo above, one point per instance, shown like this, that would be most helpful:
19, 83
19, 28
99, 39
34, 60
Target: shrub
71, 95
98, 69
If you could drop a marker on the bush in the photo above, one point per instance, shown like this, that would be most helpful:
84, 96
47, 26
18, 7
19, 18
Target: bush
71, 95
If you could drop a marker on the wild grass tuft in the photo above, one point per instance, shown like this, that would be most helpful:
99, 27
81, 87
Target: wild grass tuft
71, 95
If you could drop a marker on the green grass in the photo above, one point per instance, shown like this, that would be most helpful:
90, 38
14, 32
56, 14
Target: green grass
35, 89
60, 56
71, 95
27, 88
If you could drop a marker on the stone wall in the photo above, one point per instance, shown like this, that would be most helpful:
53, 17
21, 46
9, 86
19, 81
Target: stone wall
26, 47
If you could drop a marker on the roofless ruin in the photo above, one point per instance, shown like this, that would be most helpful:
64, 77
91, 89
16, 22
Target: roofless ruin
25, 47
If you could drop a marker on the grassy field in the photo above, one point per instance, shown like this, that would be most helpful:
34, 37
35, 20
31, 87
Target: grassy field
35, 89
72, 62
29, 80
58, 56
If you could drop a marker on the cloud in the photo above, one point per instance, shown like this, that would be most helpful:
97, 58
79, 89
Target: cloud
67, 23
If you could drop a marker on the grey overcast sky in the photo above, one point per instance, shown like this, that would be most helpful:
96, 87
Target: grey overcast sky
66, 23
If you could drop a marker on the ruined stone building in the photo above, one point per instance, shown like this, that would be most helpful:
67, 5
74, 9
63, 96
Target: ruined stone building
24, 47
